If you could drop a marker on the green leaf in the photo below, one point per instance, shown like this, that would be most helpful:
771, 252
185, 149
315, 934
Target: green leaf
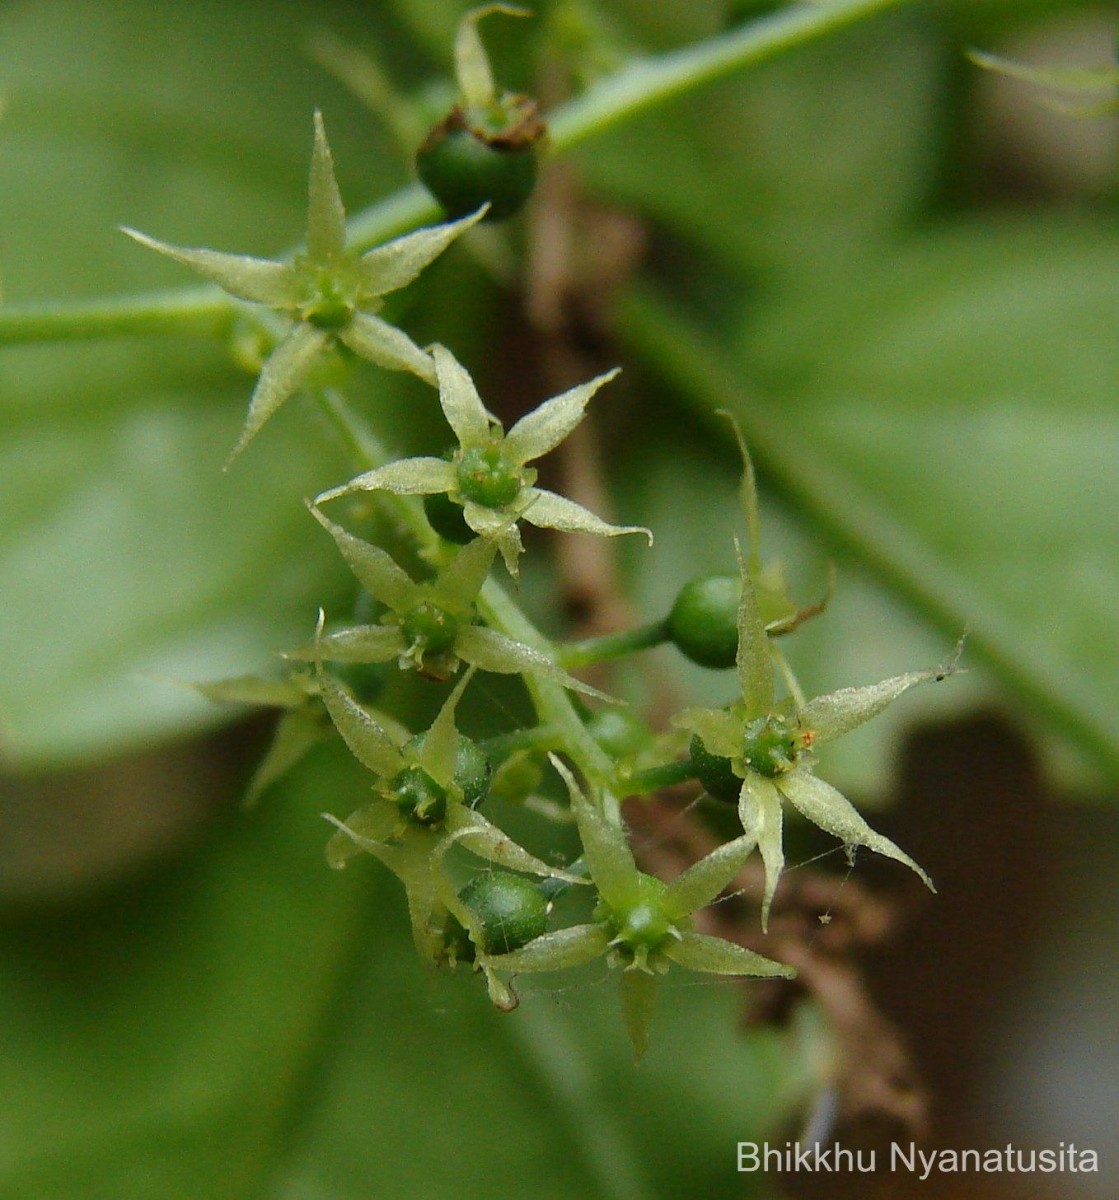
236, 1026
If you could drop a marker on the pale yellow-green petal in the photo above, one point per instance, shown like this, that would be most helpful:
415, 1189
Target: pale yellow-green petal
718, 730
702, 882
759, 809
605, 847
457, 586
358, 644
558, 951
545, 427
832, 715
835, 814
374, 569
397, 263
638, 993
753, 663
283, 372
326, 218
701, 952
550, 511
368, 742
381, 343
407, 477
462, 406
481, 837
440, 743
493, 651
363, 831
297, 733
257, 279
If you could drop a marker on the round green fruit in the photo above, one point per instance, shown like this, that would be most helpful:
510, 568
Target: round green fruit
510, 909
703, 623
445, 517
715, 773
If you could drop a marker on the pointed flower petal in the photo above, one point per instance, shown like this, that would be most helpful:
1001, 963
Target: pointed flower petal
462, 406
837, 713
297, 733
638, 992
397, 263
753, 662
407, 477
283, 372
326, 218
545, 427
572, 947
364, 830
718, 730
716, 956
257, 279
248, 689
459, 583
759, 809
483, 838
375, 570
440, 744
368, 742
381, 343
605, 848
704, 880
493, 651
360, 644
834, 813
550, 511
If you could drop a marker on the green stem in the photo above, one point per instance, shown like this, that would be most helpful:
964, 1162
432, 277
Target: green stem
612, 645
704, 376
637, 87
652, 779
539, 737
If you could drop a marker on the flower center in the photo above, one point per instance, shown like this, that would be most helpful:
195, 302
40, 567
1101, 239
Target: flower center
419, 796
329, 306
640, 929
770, 747
487, 478
429, 630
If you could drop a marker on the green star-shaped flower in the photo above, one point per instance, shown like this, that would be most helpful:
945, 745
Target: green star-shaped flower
430, 626
640, 924
760, 749
426, 792
488, 474
330, 295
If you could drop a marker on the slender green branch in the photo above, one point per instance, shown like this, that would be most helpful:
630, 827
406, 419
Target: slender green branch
706, 380
641, 85
612, 645
654, 778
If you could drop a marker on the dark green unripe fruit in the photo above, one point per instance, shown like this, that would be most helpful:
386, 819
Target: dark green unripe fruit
471, 159
485, 477
419, 796
446, 518
703, 623
510, 909
715, 773
472, 768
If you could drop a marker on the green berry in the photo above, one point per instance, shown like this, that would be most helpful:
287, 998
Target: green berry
486, 478
445, 517
471, 159
703, 623
510, 909
715, 773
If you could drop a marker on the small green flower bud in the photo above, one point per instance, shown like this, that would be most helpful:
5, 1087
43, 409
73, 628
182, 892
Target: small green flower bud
510, 909
473, 770
703, 623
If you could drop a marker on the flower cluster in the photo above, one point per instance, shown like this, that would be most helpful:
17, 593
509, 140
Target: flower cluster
448, 618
